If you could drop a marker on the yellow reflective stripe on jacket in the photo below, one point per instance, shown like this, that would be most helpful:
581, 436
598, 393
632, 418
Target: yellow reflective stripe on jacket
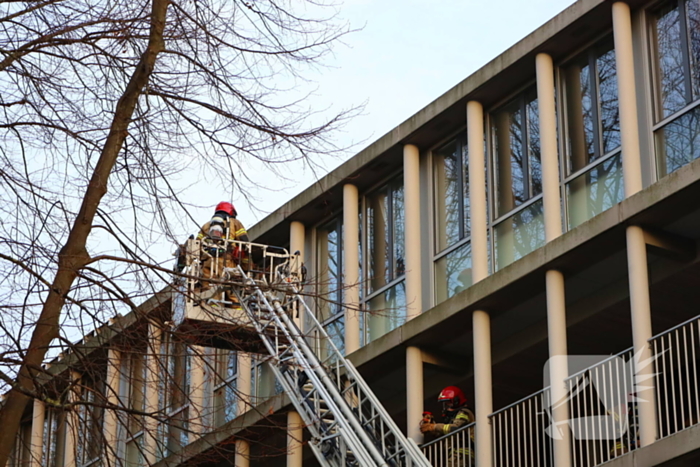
240, 232
446, 428
462, 416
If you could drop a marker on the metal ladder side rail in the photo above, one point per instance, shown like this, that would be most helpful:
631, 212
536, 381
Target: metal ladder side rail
409, 447
333, 391
355, 444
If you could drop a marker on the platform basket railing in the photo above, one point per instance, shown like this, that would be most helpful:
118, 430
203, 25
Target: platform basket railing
676, 353
520, 437
455, 449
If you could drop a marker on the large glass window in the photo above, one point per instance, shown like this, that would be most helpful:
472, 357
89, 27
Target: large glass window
593, 162
385, 256
225, 397
329, 241
676, 31
452, 226
519, 226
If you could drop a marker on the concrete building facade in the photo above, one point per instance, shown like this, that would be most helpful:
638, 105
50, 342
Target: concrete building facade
530, 236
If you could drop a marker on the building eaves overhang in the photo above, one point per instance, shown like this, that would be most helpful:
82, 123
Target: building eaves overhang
562, 36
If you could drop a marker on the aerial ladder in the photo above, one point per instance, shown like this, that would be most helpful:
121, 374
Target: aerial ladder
260, 309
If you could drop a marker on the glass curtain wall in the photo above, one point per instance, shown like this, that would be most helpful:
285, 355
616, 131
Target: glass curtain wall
329, 254
453, 259
385, 293
593, 179
515, 142
676, 39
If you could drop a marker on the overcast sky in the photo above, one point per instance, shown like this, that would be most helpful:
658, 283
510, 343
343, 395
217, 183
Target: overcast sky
406, 54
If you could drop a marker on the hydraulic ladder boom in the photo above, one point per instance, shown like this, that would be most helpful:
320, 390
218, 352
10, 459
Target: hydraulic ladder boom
348, 425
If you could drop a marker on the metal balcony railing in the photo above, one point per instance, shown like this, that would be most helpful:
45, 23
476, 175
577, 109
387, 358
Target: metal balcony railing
676, 377
452, 450
520, 433
602, 411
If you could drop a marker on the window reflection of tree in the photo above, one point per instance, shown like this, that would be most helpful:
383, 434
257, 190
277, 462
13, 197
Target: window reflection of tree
677, 38
593, 130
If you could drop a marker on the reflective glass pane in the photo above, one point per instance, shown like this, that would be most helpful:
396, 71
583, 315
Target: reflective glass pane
387, 311
465, 189
678, 143
669, 60
595, 191
533, 143
399, 242
328, 238
608, 101
580, 116
519, 235
379, 244
693, 15
336, 331
453, 273
509, 152
447, 196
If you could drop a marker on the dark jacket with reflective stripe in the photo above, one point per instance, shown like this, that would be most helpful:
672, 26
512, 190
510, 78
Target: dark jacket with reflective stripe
463, 417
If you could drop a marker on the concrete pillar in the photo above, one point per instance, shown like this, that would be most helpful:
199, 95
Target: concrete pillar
351, 241
151, 392
481, 322
548, 144
72, 423
558, 366
627, 96
641, 332
296, 243
196, 415
36, 445
636, 247
414, 393
242, 458
556, 302
111, 419
244, 389
411, 182
295, 434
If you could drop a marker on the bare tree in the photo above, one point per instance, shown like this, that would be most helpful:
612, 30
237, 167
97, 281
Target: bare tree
103, 105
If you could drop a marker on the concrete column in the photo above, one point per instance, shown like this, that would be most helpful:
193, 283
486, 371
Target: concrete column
111, 419
295, 434
36, 445
72, 423
558, 365
196, 413
548, 144
244, 389
242, 458
641, 332
411, 183
556, 303
296, 243
481, 322
636, 247
414, 393
627, 95
351, 282
151, 392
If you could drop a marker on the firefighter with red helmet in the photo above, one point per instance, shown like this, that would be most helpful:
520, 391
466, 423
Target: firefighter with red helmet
223, 226
454, 411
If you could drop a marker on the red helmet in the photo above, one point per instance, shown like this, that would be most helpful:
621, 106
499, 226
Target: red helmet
227, 208
453, 395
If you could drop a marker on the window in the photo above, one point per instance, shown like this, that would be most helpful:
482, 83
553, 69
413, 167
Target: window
90, 419
329, 254
515, 142
593, 179
133, 397
225, 398
452, 226
385, 296
676, 40
175, 394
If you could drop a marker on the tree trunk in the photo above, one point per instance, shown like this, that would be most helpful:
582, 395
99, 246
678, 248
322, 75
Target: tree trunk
73, 255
